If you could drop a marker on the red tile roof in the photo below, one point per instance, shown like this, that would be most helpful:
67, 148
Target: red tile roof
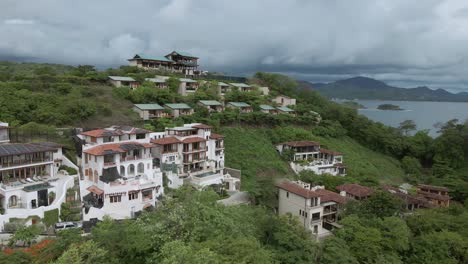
95, 189
303, 143
193, 140
355, 189
203, 126
433, 188
298, 190
116, 148
329, 196
216, 136
102, 133
165, 141
434, 196
330, 152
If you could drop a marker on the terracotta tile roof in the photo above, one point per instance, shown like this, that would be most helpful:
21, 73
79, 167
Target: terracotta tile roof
193, 140
355, 189
216, 136
95, 189
330, 152
433, 188
203, 126
303, 143
102, 133
329, 196
434, 196
165, 141
114, 148
296, 189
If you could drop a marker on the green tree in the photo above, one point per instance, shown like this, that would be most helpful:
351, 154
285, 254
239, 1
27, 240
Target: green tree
85, 253
336, 251
407, 126
25, 234
411, 165
178, 252
382, 204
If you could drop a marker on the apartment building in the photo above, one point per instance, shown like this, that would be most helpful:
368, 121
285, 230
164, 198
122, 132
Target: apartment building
192, 153
176, 61
316, 208
309, 155
119, 177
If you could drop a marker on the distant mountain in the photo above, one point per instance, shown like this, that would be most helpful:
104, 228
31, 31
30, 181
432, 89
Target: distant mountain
368, 88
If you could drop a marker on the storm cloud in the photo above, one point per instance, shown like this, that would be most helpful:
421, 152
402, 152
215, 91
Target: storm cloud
407, 43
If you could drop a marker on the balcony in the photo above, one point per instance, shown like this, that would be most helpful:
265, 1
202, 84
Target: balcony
194, 150
132, 158
19, 163
327, 211
109, 164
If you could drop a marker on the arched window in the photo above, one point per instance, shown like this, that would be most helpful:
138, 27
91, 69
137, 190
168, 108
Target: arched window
131, 170
122, 171
13, 201
141, 167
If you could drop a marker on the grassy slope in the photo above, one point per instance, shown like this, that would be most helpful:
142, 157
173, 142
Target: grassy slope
251, 150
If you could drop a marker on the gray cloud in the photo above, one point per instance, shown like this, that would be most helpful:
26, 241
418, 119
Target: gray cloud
408, 43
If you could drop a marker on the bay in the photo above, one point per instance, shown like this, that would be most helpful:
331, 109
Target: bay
424, 114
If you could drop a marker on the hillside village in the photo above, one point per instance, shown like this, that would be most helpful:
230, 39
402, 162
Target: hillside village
123, 171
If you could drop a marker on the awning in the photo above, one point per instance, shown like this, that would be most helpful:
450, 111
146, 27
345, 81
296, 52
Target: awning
95, 189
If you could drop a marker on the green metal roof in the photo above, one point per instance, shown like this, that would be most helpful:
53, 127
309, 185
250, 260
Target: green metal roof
239, 104
183, 53
186, 80
155, 80
210, 102
267, 107
178, 106
158, 58
241, 85
149, 106
122, 78
285, 109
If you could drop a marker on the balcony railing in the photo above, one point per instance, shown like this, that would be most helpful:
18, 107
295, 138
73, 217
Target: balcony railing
23, 162
194, 150
132, 158
109, 164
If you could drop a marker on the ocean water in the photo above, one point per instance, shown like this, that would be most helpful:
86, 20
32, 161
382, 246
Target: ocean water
424, 114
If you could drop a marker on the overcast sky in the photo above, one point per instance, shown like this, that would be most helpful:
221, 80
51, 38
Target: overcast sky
406, 43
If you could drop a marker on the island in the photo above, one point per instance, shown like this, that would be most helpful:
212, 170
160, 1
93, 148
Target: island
352, 104
389, 107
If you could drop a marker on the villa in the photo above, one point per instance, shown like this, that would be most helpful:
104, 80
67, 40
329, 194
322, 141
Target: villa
150, 111
30, 180
316, 207
241, 106
180, 109
211, 105
119, 81
284, 100
187, 86
310, 156
193, 154
436, 195
119, 177
159, 82
175, 61
242, 87
355, 191
268, 109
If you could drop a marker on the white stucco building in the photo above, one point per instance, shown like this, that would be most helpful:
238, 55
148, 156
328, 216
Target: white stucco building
315, 207
309, 155
30, 180
119, 176
284, 100
194, 154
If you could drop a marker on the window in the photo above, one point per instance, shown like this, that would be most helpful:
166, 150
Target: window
315, 229
171, 158
287, 194
115, 199
140, 136
132, 195
300, 212
315, 216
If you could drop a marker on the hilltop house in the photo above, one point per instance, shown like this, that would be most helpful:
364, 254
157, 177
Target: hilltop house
284, 100
150, 111
241, 106
242, 87
30, 180
411, 201
316, 207
180, 109
4, 135
308, 155
187, 86
175, 61
355, 191
194, 154
223, 88
268, 109
211, 105
120, 178
159, 82
118, 81
435, 195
